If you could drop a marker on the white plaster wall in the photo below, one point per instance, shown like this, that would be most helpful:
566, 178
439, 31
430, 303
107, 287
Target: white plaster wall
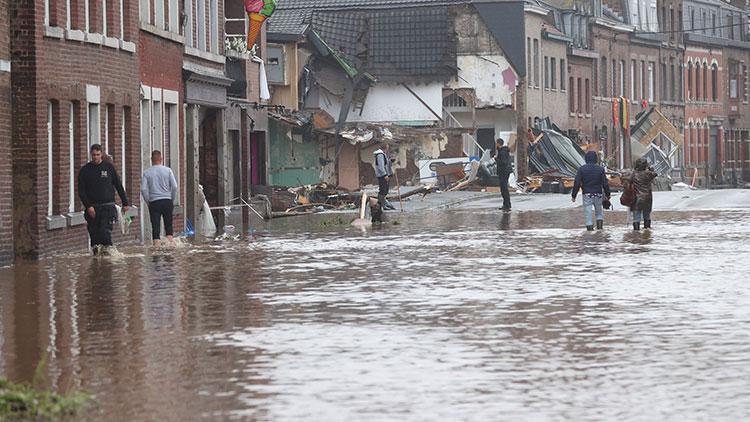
391, 103
491, 76
501, 120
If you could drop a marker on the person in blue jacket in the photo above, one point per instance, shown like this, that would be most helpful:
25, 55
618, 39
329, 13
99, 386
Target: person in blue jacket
592, 178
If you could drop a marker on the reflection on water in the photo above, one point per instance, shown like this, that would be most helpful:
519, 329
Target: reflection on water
449, 315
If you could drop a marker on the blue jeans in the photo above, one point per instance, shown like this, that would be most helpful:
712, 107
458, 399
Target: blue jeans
596, 202
645, 214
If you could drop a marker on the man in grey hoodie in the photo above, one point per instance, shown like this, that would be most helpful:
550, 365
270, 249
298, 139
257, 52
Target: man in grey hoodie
160, 191
383, 171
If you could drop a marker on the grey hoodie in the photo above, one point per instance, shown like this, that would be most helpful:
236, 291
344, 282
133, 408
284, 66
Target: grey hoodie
383, 165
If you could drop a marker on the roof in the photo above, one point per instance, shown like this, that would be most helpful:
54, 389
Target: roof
353, 4
398, 45
288, 25
291, 19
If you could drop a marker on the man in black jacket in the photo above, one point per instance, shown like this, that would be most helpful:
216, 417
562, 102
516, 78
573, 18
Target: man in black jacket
97, 182
504, 169
593, 179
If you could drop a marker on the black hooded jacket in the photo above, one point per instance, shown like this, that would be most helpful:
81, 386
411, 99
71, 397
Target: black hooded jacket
591, 177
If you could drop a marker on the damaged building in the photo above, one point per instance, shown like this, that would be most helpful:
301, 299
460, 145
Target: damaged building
429, 78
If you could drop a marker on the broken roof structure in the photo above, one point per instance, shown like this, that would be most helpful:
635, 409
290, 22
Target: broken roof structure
555, 154
393, 45
656, 139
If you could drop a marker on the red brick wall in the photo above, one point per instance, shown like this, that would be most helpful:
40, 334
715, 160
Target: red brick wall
51, 69
161, 67
6, 225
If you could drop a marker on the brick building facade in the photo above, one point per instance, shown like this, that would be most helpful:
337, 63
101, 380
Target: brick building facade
161, 45
6, 166
75, 83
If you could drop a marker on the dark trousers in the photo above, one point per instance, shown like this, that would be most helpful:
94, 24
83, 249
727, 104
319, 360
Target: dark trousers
100, 227
504, 189
383, 191
158, 210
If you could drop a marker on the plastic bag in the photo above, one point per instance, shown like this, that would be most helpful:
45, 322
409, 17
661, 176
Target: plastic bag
205, 222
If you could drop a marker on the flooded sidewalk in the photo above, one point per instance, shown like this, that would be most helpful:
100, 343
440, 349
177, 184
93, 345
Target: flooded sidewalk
452, 314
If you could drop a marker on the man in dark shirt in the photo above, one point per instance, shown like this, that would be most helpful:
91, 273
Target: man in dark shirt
97, 182
504, 169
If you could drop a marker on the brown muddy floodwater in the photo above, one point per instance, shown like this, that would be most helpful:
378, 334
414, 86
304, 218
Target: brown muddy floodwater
450, 315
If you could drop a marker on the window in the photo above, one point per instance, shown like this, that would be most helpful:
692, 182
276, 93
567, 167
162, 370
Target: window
713, 23
86, 17
644, 89
105, 26
623, 76
93, 132
680, 83
714, 82
615, 85
571, 96
672, 83
214, 26
553, 72
123, 143
734, 79
579, 94
145, 11
528, 58
671, 24
200, 24
546, 72
105, 144
595, 73
188, 13
633, 73
536, 63
604, 77
50, 159
159, 13
174, 16
651, 66
122, 19
172, 154
663, 82
157, 129
690, 81
71, 158
563, 69
692, 17
587, 96
50, 13
704, 23
698, 84
705, 81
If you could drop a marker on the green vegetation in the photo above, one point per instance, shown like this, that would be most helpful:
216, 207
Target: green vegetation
22, 402
337, 221
19, 402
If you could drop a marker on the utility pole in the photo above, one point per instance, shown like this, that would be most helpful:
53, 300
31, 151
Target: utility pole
522, 161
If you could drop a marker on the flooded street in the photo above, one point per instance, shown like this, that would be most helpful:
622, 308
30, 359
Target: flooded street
449, 315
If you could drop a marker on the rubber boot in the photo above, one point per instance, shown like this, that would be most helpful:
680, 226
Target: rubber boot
637, 225
590, 228
599, 224
646, 224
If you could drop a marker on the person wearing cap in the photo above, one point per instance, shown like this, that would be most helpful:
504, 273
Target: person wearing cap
592, 178
97, 182
504, 169
160, 191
